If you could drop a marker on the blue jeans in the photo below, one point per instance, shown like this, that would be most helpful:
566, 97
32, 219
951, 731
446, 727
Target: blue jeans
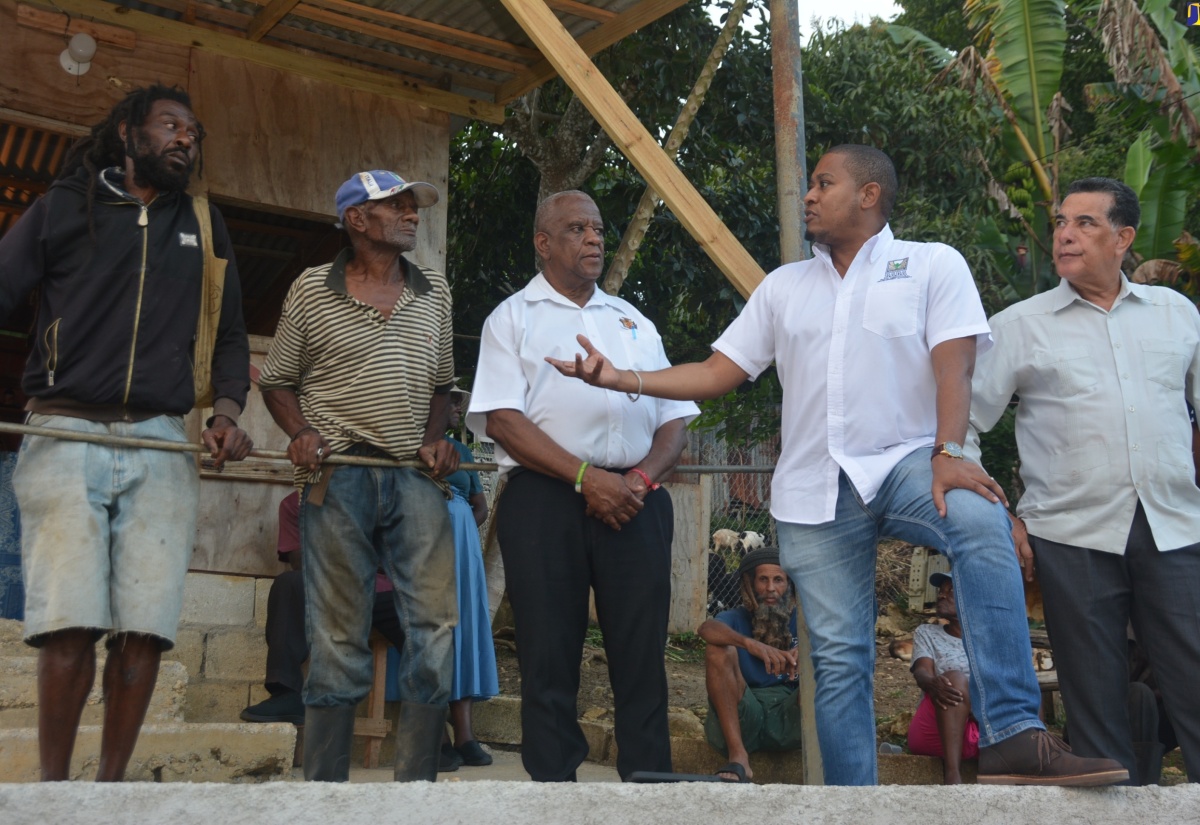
833, 566
373, 517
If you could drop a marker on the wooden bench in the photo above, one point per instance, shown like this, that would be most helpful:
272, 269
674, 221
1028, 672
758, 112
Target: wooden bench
1048, 683
374, 726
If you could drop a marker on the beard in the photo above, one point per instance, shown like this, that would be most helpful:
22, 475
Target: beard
156, 171
771, 625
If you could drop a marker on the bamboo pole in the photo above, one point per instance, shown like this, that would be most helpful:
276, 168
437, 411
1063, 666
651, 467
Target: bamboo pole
279, 455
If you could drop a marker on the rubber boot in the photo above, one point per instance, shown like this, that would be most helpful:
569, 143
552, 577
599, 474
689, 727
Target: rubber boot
328, 733
1147, 758
419, 741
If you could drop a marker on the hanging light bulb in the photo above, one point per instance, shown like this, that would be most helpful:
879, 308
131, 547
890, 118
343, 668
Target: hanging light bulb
76, 58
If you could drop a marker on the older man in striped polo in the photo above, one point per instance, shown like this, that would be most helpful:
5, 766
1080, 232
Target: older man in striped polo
362, 365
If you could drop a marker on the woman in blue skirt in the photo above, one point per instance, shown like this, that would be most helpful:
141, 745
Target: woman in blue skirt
474, 655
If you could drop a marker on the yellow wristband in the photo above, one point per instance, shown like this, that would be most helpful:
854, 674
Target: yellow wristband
579, 477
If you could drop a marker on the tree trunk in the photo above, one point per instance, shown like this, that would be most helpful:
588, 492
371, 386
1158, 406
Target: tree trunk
632, 239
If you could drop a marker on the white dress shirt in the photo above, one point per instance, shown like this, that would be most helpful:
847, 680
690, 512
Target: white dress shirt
596, 425
1102, 420
853, 356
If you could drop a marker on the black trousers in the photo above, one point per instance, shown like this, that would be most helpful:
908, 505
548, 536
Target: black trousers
287, 648
1090, 598
553, 554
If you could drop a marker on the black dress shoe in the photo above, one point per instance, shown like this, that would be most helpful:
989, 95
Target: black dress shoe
282, 707
473, 754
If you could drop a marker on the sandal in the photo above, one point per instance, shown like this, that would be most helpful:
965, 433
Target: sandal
734, 768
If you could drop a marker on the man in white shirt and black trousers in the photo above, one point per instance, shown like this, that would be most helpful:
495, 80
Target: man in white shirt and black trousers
582, 507
1105, 371
874, 339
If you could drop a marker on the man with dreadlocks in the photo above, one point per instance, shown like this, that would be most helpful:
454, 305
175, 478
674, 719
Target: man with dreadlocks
119, 256
750, 668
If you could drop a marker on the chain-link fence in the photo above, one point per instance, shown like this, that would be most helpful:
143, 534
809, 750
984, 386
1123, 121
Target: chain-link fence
740, 519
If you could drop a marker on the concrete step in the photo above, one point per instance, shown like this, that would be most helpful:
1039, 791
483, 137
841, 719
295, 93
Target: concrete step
18, 693
498, 721
596, 803
10, 639
172, 752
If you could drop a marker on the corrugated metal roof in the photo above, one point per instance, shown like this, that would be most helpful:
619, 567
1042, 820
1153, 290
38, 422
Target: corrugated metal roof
470, 47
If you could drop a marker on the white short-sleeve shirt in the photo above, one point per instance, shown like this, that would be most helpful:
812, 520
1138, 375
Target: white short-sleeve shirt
853, 356
596, 425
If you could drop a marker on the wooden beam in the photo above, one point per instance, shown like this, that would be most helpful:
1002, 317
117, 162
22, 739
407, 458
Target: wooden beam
389, 18
267, 17
276, 58
413, 41
632, 139
596, 40
29, 121
58, 23
8, 182
582, 10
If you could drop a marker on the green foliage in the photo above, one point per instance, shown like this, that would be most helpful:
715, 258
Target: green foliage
941, 20
1027, 38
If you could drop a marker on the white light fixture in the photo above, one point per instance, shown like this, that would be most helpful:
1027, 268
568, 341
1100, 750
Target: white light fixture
76, 58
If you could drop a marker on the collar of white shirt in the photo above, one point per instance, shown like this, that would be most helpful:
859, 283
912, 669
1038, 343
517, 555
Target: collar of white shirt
1064, 294
540, 289
874, 247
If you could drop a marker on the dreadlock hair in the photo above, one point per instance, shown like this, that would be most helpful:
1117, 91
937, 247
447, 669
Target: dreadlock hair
103, 147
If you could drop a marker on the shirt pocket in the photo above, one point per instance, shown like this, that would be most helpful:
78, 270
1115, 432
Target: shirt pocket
641, 349
1076, 464
1166, 361
1069, 371
893, 308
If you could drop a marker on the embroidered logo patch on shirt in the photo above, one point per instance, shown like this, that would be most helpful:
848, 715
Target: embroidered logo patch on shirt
188, 239
631, 325
895, 269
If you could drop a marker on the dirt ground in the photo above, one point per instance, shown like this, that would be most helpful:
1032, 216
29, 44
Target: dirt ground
896, 694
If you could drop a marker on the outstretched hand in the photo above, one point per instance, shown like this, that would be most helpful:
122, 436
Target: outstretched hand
596, 369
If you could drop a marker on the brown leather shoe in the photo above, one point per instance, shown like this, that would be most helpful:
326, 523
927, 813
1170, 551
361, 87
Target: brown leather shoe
1034, 757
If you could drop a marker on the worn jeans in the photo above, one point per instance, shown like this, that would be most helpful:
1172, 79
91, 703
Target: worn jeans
107, 532
833, 566
374, 517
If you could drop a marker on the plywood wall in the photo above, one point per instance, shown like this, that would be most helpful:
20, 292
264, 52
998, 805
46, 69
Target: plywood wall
292, 141
32, 81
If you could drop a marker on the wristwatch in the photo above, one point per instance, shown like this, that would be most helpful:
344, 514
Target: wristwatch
950, 449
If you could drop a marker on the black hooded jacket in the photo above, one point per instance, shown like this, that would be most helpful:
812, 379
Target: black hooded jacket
117, 312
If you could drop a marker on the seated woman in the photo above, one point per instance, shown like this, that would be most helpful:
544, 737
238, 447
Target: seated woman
943, 725
475, 677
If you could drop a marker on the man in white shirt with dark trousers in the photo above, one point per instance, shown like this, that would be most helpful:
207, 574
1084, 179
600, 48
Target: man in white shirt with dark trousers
582, 507
874, 339
1105, 371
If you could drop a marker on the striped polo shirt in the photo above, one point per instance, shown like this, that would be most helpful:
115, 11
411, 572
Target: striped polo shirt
361, 377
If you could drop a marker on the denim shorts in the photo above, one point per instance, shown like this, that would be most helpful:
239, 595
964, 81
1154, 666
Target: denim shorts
106, 532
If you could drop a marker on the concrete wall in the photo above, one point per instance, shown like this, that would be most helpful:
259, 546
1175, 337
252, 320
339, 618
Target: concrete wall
221, 644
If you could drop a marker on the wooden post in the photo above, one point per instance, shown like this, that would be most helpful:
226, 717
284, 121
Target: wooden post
791, 179
791, 184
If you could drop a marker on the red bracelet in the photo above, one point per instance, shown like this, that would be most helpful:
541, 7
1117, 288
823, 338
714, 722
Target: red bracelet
649, 484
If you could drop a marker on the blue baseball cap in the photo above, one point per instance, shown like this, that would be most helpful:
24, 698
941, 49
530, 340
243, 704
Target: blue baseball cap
379, 184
